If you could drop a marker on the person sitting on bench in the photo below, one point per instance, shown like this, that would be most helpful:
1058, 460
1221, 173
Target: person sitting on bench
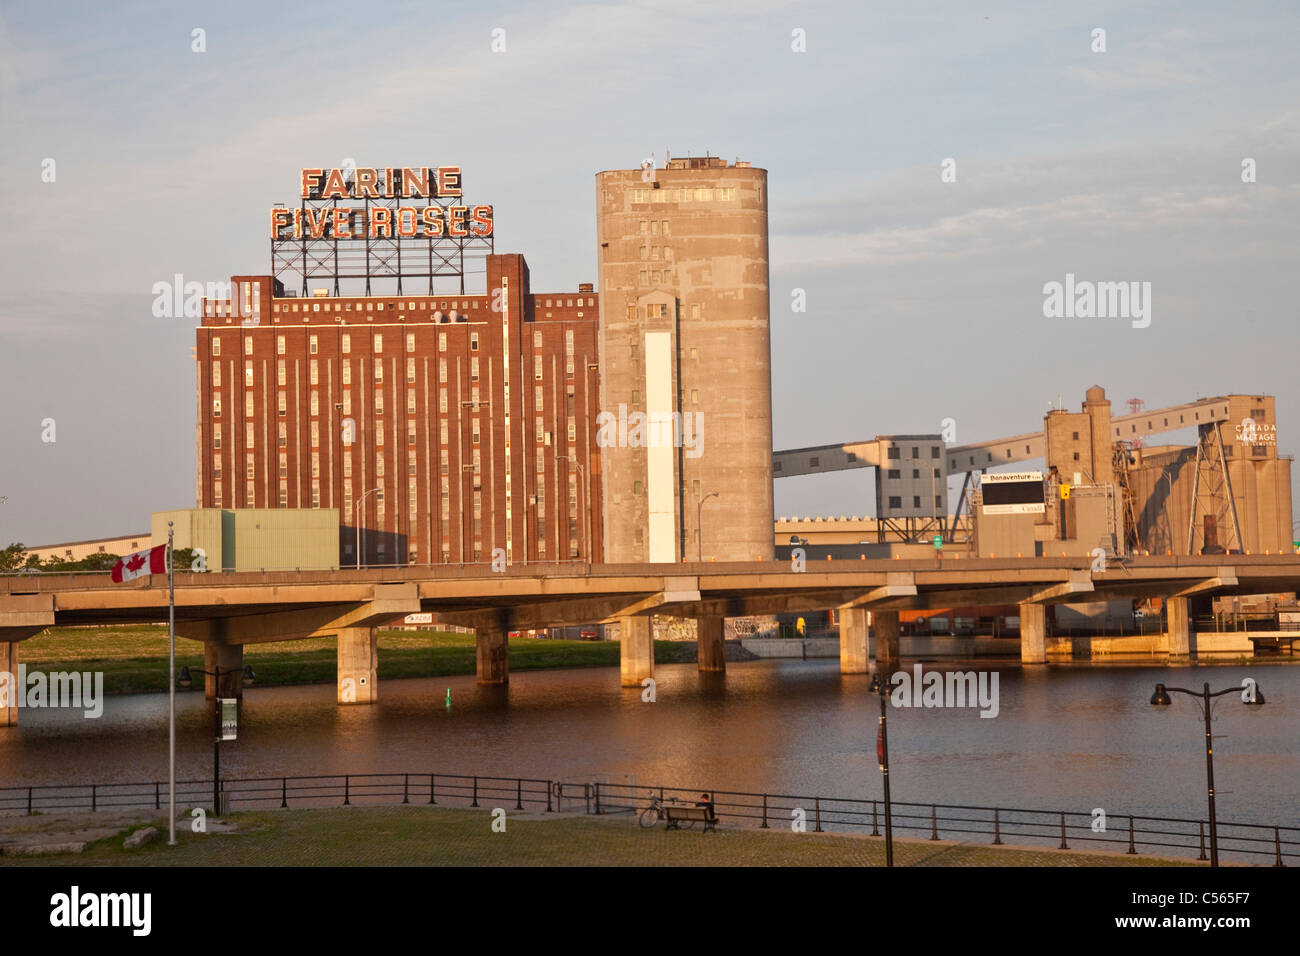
707, 804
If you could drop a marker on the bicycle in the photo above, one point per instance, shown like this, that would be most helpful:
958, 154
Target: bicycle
655, 812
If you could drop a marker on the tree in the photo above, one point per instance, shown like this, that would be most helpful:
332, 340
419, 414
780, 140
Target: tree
11, 558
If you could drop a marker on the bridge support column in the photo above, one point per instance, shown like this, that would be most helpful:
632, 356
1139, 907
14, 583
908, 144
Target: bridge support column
229, 659
885, 624
1033, 633
1178, 617
493, 652
637, 652
358, 665
711, 653
855, 647
11, 690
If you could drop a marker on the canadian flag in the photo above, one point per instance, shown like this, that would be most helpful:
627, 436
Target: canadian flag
153, 561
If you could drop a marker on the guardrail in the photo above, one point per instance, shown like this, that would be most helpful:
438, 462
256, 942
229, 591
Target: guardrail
1063, 829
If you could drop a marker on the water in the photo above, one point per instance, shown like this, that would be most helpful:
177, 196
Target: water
1066, 737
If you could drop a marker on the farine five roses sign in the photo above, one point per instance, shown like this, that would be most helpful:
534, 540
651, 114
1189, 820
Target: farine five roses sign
435, 218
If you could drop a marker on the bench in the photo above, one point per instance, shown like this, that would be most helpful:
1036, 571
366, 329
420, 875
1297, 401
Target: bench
678, 815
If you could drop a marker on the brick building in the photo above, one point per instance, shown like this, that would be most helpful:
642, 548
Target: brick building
442, 426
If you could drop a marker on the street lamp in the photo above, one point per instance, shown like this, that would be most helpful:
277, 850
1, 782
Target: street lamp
1250, 696
699, 525
881, 689
185, 680
357, 522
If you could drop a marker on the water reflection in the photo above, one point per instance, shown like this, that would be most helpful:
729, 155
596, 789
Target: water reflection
1068, 737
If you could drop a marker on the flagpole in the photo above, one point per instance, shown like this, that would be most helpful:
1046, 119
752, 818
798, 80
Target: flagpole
171, 690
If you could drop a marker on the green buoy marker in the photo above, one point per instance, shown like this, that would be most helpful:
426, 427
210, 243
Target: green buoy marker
449, 698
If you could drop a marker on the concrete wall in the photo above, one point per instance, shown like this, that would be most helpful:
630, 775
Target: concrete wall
683, 254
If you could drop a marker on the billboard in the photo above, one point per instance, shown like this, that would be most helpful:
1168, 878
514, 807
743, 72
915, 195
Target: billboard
1012, 493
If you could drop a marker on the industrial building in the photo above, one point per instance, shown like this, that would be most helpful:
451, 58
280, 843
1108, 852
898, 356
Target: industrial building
684, 342
445, 426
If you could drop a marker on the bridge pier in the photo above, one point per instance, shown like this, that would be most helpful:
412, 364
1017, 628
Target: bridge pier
1033, 633
886, 627
637, 650
358, 665
855, 646
9, 674
493, 654
711, 654
1178, 618
229, 658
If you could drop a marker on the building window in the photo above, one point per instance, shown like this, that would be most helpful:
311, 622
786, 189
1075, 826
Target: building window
473, 342
1076, 456
216, 406
248, 346
537, 367
636, 487
895, 501
537, 397
442, 371
282, 400
379, 371
410, 371
279, 345
347, 373
216, 346
216, 437
347, 343
410, 341
895, 473
315, 403
248, 434
379, 401
279, 373
442, 341
410, 433
248, 374
410, 401
347, 401
934, 453
314, 373
248, 404
216, 374
284, 435
893, 452
379, 342
311, 345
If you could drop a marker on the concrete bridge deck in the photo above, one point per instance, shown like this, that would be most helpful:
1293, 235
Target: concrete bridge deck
226, 610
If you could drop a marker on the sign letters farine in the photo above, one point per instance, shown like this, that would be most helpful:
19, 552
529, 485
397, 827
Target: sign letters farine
382, 221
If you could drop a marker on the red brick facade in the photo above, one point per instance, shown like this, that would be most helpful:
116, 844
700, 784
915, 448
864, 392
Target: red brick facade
469, 413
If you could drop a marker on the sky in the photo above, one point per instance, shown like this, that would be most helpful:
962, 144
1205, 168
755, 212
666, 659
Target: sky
931, 166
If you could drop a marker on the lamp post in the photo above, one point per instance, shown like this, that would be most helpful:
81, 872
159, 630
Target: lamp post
357, 509
185, 680
881, 689
699, 525
1250, 696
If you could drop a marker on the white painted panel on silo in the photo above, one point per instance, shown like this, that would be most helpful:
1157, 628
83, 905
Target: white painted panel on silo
659, 454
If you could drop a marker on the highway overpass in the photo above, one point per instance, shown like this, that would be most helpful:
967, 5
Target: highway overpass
228, 610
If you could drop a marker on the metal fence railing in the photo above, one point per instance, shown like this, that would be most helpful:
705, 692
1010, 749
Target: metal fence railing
1063, 829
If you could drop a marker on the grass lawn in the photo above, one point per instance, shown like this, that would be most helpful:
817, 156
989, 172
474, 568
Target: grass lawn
134, 658
439, 836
